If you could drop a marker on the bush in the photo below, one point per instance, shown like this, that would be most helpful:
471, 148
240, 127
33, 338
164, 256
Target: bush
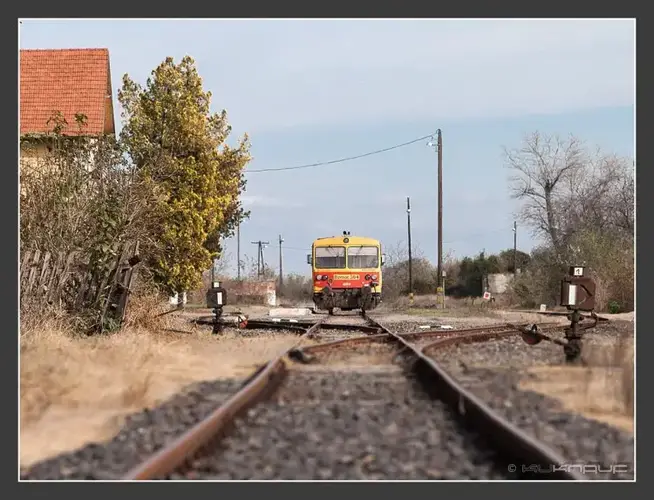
614, 307
296, 288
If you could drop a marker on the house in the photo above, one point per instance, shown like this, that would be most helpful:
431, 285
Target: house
68, 82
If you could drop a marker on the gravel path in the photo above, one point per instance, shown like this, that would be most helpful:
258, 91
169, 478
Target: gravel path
348, 425
577, 438
143, 433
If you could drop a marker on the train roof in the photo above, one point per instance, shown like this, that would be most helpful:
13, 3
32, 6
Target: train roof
353, 240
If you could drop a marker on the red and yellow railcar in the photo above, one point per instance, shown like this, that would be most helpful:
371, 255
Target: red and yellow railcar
346, 272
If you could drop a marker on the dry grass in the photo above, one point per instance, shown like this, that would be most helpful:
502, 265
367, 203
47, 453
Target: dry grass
602, 390
74, 390
428, 304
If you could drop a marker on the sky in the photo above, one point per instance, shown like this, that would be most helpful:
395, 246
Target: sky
309, 91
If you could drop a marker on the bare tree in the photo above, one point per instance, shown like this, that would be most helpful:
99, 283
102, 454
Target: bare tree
398, 253
221, 264
583, 202
540, 168
252, 270
600, 197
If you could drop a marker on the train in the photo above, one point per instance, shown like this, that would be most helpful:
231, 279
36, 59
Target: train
346, 272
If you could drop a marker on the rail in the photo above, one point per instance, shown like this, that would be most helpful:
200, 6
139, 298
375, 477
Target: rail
505, 436
268, 378
174, 455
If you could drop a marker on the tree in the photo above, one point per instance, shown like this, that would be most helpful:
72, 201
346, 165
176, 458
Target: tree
506, 260
258, 270
178, 146
540, 167
566, 190
583, 203
601, 197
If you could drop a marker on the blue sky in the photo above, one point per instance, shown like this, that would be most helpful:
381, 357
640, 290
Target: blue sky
312, 91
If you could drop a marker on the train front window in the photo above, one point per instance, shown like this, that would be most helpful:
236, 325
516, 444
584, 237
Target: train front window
330, 257
362, 257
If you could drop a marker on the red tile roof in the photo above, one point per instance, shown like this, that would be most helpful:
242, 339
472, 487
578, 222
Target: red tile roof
70, 81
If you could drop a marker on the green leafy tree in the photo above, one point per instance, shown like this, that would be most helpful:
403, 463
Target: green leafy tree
506, 259
178, 146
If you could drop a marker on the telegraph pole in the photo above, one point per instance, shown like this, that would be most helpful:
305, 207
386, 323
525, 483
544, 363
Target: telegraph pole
408, 217
262, 245
515, 247
439, 150
258, 243
281, 269
238, 252
440, 208
260, 262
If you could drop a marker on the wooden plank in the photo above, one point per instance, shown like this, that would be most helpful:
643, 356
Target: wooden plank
45, 269
127, 287
83, 291
57, 269
114, 276
33, 271
25, 264
65, 274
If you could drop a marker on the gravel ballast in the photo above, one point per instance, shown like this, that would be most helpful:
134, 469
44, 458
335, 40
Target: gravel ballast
343, 425
143, 433
578, 439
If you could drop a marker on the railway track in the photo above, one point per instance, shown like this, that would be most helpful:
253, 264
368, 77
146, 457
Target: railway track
371, 406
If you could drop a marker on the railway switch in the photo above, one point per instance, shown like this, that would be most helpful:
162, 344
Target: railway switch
577, 295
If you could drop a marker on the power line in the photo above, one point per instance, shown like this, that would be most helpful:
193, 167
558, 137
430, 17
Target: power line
349, 158
465, 238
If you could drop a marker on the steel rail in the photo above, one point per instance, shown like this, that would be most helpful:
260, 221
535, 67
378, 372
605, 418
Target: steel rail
291, 325
505, 436
169, 458
304, 353
264, 381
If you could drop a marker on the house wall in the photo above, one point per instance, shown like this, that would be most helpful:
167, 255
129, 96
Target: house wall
34, 155
238, 292
499, 283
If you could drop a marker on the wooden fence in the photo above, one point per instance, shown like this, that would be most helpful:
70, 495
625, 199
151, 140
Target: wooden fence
67, 280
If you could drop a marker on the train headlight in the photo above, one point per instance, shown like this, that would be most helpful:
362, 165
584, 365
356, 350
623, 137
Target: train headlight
367, 277
374, 276
318, 277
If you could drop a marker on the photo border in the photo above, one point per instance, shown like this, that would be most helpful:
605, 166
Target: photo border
10, 216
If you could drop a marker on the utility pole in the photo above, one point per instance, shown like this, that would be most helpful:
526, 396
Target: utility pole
261, 265
515, 247
262, 245
440, 208
439, 150
408, 217
281, 269
258, 243
238, 252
